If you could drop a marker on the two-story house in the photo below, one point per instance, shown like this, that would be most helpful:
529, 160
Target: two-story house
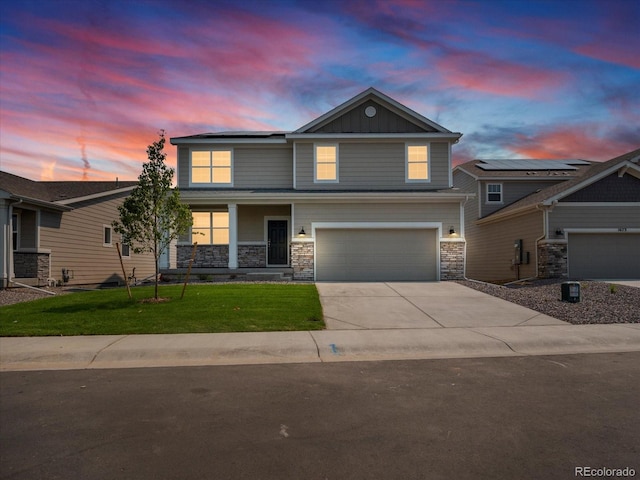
361, 193
552, 218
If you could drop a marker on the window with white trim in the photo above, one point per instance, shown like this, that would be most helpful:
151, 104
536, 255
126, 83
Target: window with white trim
417, 160
326, 163
212, 167
494, 193
126, 248
15, 231
210, 228
106, 235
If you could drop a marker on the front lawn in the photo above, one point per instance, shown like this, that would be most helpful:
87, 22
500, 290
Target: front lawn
205, 309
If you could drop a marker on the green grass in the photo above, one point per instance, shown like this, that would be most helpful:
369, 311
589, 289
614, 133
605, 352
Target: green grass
204, 309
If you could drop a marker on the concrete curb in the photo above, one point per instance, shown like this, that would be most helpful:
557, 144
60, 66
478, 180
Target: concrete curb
134, 351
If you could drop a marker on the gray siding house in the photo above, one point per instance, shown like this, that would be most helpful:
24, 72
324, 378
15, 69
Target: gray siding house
552, 218
362, 192
60, 232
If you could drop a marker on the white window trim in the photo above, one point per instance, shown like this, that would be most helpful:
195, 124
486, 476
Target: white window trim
211, 184
15, 247
315, 162
122, 244
104, 229
406, 162
494, 202
212, 227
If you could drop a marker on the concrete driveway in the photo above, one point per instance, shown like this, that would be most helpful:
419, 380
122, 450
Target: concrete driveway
357, 306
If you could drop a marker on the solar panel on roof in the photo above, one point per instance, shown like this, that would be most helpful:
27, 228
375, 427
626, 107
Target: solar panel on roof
530, 164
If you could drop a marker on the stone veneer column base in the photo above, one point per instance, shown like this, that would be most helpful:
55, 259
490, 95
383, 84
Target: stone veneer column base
207, 256
452, 260
302, 260
552, 260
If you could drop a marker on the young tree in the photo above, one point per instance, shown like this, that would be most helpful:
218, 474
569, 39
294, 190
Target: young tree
152, 215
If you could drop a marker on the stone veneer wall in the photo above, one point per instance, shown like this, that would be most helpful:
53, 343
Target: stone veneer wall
452, 260
207, 256
252, 256
302, 260
31, 265
552, 260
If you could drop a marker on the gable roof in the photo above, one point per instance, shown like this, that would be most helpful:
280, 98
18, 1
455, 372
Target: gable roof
419, 125
382, 99
627, 163
59, 193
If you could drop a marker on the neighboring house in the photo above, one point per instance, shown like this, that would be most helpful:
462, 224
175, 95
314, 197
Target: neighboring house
60, 232
361, 193
552, 218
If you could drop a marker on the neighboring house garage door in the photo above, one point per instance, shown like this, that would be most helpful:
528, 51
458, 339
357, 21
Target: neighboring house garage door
604, 255
370, 255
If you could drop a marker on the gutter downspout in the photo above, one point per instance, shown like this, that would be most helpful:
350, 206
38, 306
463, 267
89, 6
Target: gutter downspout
545, 229
462, 234
8, 253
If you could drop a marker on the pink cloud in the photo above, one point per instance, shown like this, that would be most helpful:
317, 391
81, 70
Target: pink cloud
580, 141
481, 73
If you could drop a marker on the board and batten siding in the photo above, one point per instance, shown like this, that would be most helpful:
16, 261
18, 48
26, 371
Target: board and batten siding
372, 166
75, 239
591, 217
253, 167
384, 121
490, 247
447, 213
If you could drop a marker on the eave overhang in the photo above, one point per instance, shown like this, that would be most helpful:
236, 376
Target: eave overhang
253, 197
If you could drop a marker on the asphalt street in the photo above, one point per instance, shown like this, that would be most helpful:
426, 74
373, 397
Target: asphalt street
484, 418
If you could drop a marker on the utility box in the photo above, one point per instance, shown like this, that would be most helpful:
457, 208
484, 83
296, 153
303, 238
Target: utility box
570, 292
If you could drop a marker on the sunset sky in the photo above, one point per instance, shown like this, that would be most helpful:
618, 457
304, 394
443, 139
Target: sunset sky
86, 85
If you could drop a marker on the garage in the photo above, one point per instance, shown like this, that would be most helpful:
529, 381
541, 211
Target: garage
376, 254
604, 255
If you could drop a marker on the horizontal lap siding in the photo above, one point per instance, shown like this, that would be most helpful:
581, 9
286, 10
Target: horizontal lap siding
447, 213
490, 248
372, 166
255, 167
263, 167
512, 191
251, 220
76, 243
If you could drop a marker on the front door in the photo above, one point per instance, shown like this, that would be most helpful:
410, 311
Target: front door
277, 242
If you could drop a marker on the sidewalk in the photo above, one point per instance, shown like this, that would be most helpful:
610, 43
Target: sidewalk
127, 351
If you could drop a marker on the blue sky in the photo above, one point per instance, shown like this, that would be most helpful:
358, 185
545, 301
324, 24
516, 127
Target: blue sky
86, 85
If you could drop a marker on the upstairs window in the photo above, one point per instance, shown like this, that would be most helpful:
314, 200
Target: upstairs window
326, 163
210, 228
494, 193
417, 163
211, 167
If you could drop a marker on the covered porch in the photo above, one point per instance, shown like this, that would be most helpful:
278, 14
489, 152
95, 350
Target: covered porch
237, 239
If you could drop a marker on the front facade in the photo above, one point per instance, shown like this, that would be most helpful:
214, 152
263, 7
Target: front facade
60, 233
552, 218
362, 193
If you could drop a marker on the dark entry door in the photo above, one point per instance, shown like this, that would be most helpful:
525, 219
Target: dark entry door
278, 245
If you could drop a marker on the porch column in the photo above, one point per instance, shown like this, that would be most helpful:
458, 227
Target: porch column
233, 235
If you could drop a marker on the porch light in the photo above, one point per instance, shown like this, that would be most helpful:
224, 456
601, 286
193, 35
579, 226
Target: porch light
302, 233
452, 231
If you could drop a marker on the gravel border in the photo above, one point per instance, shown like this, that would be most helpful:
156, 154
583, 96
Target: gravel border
601, 302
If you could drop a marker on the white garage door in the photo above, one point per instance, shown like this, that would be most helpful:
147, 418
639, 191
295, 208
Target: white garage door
604, 255
373, 255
